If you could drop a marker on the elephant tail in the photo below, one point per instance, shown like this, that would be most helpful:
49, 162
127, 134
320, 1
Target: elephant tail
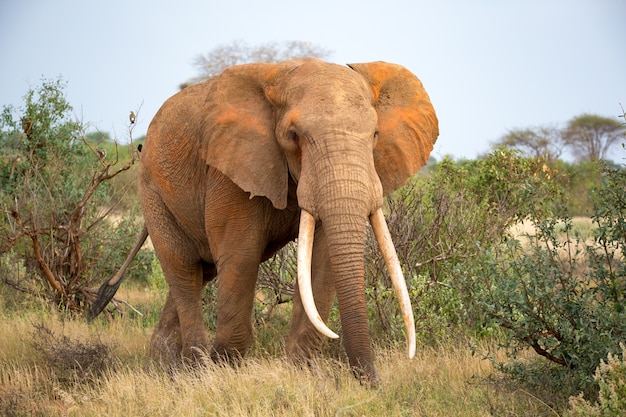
108, 289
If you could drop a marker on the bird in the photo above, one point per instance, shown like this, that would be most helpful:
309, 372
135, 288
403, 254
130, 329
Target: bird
132, 117
102, 153
27, 127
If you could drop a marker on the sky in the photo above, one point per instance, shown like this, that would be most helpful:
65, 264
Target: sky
489, 66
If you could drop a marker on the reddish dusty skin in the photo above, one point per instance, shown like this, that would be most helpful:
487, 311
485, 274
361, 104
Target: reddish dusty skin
226, 168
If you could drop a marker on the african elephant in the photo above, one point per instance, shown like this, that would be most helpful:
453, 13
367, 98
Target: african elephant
234, 168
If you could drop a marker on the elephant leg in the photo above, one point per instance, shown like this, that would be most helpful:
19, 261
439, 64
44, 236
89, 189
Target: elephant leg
166, 343
237, 230
181, 328
186, 285
304, 340
235, 295
181, 325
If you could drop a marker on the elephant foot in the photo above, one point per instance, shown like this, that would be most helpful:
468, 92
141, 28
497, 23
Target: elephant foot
223, 355
165, 349
304, 357
166, 344
302, 345
303, 350
168, 349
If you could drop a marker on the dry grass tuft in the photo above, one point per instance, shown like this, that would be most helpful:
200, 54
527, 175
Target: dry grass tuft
73, 360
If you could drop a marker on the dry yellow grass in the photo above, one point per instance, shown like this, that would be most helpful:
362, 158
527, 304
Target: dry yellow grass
583, 224
447, 381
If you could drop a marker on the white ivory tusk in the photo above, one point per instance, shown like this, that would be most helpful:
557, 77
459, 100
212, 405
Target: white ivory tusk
305, 252
379, 225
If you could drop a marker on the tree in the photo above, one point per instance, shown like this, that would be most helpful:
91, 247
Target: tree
54, 197
238, 52
539, 142
590, 136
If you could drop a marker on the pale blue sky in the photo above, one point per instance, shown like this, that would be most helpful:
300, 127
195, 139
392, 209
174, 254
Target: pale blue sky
489, 66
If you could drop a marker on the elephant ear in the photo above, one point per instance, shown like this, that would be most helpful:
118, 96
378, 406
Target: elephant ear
239, 125
407, 123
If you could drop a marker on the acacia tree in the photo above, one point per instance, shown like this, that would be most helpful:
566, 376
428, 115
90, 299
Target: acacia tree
538, 142
590, 136
54, 196
238, 52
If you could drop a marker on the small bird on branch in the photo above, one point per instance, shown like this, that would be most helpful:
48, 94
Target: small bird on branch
131, 117
102, 153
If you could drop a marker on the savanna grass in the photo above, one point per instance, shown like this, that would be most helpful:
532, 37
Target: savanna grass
441, 381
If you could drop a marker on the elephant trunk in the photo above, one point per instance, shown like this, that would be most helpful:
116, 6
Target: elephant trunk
343, 205
345, 236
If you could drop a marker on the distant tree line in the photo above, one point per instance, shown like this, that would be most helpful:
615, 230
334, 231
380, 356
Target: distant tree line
587, 137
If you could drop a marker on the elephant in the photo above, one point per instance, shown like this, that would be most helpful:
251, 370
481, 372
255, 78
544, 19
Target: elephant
236, 167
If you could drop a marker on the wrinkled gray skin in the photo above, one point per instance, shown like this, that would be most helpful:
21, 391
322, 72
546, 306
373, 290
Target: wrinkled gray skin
228, 165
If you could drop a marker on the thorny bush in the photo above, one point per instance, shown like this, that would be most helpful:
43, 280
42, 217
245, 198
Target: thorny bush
55, 201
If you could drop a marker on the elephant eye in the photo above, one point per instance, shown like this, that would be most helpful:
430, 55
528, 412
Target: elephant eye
376, 135
293, 136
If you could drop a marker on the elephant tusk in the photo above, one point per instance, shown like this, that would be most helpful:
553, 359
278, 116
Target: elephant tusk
305, 252
379, 225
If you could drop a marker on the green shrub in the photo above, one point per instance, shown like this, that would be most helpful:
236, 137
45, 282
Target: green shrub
611, 379
580, 179
55, 200
441, 223
556, 293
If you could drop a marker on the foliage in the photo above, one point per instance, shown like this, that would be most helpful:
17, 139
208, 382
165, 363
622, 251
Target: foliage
557, 293
445, 219
238, 52
591, 136
611, 378
55, 200
579, 181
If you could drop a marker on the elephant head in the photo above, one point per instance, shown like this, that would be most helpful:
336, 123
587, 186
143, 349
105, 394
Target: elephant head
346, 136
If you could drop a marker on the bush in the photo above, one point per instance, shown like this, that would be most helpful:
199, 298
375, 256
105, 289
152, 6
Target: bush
580, 179
72, 360
557, 293
441, 223
55, 200
611, 379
